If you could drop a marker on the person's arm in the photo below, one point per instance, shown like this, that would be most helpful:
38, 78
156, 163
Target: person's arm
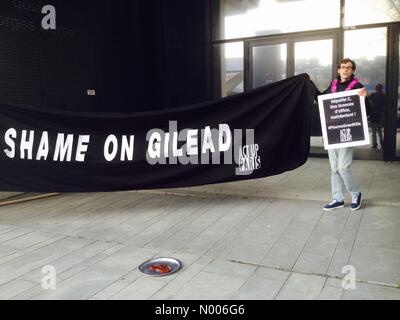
368, 105
383, 104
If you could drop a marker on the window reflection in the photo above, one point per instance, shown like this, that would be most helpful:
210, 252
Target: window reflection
368, 49
359, 12
398, 117
315, 58
247, 18
269, 64
230, 56
376, 116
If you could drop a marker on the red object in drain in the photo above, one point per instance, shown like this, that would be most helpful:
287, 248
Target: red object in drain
160, 268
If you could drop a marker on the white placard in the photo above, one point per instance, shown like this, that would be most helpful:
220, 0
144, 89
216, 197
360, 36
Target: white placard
343, 119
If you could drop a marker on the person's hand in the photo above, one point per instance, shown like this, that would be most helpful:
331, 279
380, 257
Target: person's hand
363, 92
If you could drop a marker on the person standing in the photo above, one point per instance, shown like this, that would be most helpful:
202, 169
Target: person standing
376, 113
341, 159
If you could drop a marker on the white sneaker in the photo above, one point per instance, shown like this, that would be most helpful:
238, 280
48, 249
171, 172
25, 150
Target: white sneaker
356, 203
333, 205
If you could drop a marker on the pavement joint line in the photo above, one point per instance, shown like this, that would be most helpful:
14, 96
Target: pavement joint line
260, 206
308, 239
314, 274
356, 235
20, 198
338, 242
322, 289
282, 286
126, 275
206, 194
27, 251
200, 209
298, 210
202, 194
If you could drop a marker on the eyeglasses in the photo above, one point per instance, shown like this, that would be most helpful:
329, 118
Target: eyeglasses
346, 67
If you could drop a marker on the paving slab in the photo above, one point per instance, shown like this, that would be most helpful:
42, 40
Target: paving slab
260, 239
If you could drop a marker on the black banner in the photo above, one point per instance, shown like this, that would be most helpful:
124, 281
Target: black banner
256, 134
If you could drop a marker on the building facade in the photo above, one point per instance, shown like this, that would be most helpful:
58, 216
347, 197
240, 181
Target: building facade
256, 42
146, 55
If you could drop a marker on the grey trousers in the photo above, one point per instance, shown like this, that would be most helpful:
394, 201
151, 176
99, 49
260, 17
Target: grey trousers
341, 160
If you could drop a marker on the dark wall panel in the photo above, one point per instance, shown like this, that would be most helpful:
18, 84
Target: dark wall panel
19, 56
137, 55
45, 68
129, 56
67, 62
187, 52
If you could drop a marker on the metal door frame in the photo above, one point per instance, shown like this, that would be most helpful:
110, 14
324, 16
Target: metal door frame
289, 40
392, 81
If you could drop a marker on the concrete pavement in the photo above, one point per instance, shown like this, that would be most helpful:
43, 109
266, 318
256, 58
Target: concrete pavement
262, 239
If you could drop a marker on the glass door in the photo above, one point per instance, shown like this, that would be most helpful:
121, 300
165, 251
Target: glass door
392, 142
368, 48
268, 62
315, 56
391, 121
396, 113
275, 59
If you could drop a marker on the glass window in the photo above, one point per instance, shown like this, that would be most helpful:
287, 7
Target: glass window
231, 57
367, 48
269, 64
398, 118
315, 58
359, 12
248, 18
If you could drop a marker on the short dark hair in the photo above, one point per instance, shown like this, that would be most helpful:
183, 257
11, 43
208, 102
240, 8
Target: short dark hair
347, 60
379, 87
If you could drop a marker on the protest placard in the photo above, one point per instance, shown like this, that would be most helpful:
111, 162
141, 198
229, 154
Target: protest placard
343, 119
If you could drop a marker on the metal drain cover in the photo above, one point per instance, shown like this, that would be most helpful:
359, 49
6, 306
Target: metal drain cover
160, 267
